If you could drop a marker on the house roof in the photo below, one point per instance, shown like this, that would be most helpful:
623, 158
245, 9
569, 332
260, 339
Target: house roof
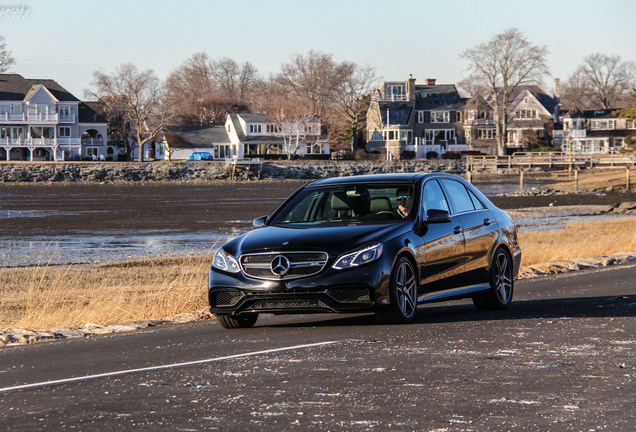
92, 112
196, 136
14, 87
440, 96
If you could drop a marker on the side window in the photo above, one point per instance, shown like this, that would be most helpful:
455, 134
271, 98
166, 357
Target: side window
433, 197
458, 196
478, 204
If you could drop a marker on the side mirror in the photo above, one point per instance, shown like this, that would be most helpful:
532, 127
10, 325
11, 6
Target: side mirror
437, 216
259, 221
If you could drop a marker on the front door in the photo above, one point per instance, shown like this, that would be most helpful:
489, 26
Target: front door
441, 251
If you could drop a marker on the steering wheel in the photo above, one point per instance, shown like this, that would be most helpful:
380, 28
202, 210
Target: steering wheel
389, 213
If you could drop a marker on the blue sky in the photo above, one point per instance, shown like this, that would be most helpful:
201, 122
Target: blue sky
68, 40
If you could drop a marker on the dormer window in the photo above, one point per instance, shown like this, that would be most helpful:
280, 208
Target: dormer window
256, 128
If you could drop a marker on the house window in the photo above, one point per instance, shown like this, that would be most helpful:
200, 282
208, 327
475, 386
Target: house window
602, 124
406, 135
420, 116
394, 90
92, 152
65, 110
272, 128
17, 109
440, 116
631, 124
440, 136
526, 114
375, 136
256, 128
310, 128
5, 109
486, 134
64, 131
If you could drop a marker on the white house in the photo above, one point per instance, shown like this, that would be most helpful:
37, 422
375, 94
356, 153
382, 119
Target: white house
40, 120
246, 136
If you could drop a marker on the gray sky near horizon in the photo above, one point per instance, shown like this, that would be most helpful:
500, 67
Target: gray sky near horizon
68, 40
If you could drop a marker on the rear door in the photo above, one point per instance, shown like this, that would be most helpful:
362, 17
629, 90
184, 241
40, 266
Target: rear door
479, 228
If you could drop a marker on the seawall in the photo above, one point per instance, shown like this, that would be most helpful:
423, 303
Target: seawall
209, 171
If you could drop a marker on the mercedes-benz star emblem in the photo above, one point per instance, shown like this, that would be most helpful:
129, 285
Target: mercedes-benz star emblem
280, 265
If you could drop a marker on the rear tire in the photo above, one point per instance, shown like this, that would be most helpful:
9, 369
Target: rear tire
501, 289
239, 321
402, 295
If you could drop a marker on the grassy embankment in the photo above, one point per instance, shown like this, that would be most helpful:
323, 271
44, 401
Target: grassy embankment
49, 297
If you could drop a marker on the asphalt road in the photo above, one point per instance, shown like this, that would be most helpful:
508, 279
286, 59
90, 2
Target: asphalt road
562, 357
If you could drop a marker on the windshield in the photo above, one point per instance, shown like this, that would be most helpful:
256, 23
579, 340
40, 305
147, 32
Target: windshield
348, 202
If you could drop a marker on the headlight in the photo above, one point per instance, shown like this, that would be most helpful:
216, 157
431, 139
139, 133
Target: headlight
226, 262
359, 257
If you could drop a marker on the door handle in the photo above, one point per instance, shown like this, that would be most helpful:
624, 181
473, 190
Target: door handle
457, 229
486, 221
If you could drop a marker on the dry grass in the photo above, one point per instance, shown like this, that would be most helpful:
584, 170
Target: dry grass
579, 240
49, 297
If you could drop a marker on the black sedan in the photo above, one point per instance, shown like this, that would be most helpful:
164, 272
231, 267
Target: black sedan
382, 243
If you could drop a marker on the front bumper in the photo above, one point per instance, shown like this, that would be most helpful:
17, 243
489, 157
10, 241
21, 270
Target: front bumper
351, 290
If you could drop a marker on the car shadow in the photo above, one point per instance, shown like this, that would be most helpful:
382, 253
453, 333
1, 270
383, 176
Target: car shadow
576, 307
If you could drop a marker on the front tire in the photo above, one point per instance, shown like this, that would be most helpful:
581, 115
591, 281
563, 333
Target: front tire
402, 294
501, 289
239, 321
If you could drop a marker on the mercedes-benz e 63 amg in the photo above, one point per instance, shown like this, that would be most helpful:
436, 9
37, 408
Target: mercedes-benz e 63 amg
382, 243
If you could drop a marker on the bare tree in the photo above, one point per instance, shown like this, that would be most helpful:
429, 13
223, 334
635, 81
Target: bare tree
575, 93
607, 78
313, 78
505, 62
6, 60
296, 129
205, 90
350, 99
192, 88
473, 86
235, 82
139, 97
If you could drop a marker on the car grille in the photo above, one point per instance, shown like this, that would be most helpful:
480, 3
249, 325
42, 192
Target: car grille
296, 303
226, 298
350, 295
301, 264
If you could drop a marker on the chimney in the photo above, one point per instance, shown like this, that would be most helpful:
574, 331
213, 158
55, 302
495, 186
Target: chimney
410, 88
430, 81
557, 88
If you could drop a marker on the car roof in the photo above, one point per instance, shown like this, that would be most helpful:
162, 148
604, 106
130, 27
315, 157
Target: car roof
374, 178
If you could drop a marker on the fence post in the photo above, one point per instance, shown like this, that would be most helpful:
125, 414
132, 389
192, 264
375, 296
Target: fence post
627, 179
576, 181
520, 179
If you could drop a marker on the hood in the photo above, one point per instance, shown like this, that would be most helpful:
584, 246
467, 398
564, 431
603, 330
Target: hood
327, 237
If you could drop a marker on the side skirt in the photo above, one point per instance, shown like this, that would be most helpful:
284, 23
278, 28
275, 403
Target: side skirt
452, 293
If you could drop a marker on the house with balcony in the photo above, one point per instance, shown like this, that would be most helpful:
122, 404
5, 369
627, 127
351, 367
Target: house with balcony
247, 136
40, 120
406, 119
594, 131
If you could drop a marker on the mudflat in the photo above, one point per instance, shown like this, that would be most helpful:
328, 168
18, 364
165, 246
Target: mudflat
64, 208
